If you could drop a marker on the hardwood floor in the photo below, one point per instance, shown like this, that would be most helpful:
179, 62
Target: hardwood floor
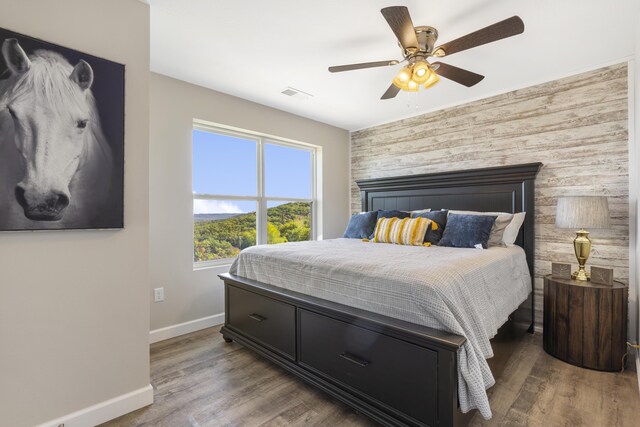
199, 380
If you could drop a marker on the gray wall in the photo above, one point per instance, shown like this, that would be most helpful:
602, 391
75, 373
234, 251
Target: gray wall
74, 305
576, 126
189, 294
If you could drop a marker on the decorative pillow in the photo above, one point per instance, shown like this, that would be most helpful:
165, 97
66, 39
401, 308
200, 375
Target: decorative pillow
467, 231
511, 232
405, 231
503, 219
393, 214
361, 225
418, 212
497, 231
390, 214
434, 234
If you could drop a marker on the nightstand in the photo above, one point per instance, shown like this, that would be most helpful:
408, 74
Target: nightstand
585, 324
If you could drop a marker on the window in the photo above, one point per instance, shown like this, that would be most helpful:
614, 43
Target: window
249, 189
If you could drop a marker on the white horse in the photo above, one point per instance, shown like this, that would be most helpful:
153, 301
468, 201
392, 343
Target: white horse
55, 163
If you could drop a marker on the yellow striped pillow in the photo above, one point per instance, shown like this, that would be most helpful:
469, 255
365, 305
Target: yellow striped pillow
405, 231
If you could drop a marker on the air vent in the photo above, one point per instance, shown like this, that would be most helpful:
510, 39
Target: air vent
296, 93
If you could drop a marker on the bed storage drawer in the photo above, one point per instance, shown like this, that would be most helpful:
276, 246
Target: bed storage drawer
270, 322
397, 374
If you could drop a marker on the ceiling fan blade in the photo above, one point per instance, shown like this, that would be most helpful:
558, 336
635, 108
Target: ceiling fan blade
458, 75
349, 67
399, 20
391, 92
498, 31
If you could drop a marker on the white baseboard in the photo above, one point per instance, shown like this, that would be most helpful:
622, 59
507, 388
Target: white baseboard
185, 328
105, 411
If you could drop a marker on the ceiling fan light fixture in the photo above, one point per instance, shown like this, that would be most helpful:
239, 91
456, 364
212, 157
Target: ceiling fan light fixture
402, 79
421, 72
411, 77
432, 80
412, 86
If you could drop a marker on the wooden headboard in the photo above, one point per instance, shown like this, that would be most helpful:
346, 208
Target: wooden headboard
499, 189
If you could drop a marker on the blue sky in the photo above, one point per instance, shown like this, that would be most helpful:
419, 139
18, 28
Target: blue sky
227, 165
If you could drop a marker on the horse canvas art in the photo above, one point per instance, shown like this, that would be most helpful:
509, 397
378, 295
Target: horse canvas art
61, 137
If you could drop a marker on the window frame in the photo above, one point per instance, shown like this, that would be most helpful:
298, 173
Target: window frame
260, 198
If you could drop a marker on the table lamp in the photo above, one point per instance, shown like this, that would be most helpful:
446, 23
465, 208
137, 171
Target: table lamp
582, 212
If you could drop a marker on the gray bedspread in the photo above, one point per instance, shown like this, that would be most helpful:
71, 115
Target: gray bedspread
468, 292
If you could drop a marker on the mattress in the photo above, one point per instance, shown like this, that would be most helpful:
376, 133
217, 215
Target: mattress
468, 292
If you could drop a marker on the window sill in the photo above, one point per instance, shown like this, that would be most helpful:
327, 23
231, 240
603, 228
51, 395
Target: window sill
213, 264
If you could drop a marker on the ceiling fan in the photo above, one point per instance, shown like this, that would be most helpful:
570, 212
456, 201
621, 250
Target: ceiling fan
418, 44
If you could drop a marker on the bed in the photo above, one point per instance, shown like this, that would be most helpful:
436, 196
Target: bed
402, 362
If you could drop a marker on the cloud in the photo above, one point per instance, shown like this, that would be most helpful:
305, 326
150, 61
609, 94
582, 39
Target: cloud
215, 206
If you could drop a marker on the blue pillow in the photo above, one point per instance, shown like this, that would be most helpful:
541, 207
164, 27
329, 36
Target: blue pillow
362, 225
466, 231
393, 214
388, 214
440, 218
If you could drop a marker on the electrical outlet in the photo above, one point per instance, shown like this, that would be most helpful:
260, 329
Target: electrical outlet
158, 294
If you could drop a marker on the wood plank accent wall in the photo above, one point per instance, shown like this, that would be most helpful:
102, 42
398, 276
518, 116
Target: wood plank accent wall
576, 126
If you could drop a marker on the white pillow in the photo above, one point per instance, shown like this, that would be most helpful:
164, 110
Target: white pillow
499, 229
511, 232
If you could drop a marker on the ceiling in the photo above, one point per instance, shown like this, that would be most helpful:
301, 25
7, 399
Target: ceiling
255, 49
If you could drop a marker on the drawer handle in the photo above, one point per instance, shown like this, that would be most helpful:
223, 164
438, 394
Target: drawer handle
257, 317
353, 359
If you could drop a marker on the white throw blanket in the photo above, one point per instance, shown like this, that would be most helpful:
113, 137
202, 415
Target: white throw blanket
468, 292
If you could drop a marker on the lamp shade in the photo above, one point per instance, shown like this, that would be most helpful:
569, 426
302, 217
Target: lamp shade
583, 212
